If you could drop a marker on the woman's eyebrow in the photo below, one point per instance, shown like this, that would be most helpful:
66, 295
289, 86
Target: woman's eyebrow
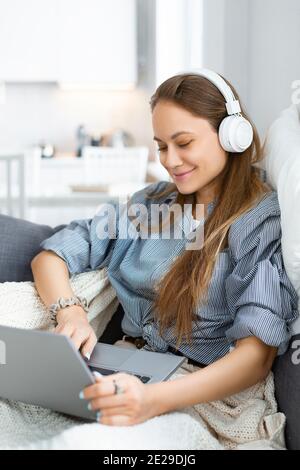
173, 136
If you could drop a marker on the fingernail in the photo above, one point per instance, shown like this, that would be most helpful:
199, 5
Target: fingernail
98, 415
97, 374
81, 395
87, 356
89, 406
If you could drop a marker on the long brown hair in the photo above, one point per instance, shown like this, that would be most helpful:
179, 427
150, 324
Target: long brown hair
186, 283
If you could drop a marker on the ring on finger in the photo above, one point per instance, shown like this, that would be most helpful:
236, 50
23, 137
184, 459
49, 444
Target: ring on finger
117, 388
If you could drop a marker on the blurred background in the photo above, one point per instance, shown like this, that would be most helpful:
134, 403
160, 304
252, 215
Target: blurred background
76, 77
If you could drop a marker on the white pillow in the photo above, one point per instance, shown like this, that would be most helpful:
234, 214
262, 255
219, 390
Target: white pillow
282, 164
21, 306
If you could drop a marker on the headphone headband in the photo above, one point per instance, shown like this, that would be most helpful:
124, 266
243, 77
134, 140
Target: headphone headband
235, 132
232, 104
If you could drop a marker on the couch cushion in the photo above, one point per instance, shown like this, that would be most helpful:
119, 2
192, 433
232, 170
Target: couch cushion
286, 370
19, 243
282, 165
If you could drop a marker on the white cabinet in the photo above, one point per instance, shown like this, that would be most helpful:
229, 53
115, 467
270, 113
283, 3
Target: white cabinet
89, 42
28, 49
98, 42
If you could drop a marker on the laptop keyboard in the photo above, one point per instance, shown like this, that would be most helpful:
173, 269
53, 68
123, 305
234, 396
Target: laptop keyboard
103, 371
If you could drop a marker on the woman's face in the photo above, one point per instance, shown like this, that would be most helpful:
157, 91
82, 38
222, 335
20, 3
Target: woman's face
189, 149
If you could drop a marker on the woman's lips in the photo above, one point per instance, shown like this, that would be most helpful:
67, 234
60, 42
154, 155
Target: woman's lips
184, 175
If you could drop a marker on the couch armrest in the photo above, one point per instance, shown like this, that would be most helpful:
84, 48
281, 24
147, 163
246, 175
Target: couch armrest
19, 243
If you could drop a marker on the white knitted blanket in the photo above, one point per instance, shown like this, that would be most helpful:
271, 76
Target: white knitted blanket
247, 420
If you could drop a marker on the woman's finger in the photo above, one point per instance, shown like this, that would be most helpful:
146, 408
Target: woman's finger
88, 346
116, 420
66, 330
113, 410
100, 389
77, 339
112, 401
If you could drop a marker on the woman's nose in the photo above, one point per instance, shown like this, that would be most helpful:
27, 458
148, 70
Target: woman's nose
172, 159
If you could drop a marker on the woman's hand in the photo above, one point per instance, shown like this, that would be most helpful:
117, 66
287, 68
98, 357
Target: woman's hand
134, 405
73, 322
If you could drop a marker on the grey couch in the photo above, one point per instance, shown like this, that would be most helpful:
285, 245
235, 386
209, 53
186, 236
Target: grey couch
19, 243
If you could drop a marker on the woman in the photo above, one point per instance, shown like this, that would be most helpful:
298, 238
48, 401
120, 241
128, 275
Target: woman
227, 305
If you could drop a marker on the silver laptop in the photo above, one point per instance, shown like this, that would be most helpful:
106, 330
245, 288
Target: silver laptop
45, 369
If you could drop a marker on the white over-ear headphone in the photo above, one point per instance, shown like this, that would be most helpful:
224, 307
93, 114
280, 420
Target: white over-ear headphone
235, 132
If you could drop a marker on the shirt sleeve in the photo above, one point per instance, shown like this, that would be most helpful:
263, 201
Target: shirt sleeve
260, 297
86, 244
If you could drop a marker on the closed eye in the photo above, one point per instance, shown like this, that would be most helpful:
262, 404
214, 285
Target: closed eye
185, 145
163, 149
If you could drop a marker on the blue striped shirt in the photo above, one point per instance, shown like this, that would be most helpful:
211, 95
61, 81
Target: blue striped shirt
249, 294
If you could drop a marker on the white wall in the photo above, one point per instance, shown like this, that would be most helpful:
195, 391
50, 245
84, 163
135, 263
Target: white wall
213, 34
226, 41
274, 57
179, 30
256, 45
42, 111
171, 38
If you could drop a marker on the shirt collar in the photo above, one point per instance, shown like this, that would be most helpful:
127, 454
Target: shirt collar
186, 223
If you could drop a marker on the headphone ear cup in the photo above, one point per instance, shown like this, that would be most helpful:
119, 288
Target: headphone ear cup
235, 134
